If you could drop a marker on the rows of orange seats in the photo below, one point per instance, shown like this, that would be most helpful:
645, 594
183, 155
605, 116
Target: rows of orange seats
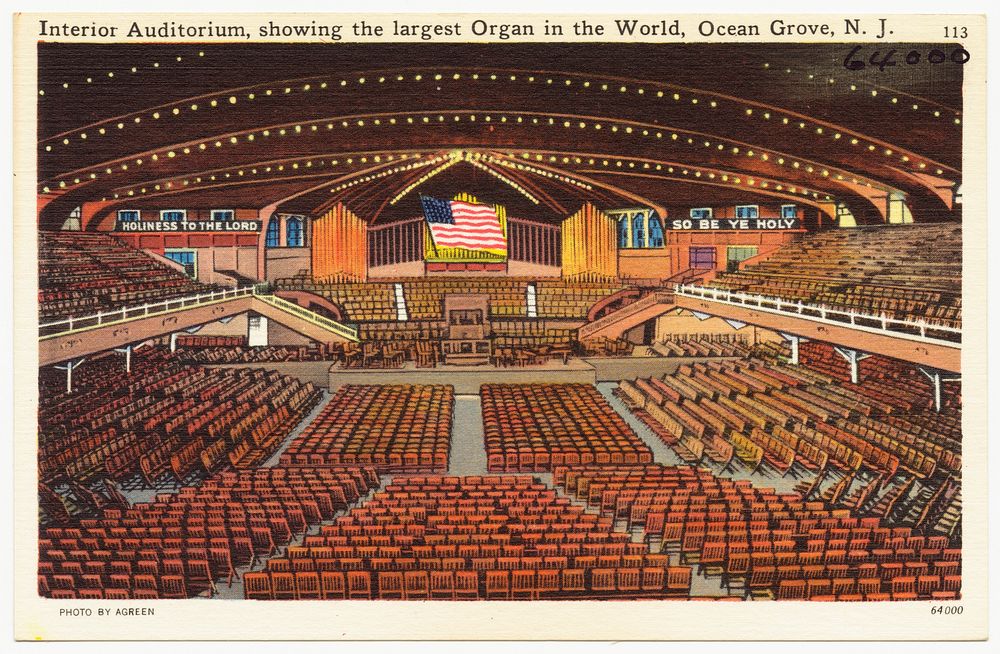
375, 300
491, 537
243, 354
394, 427
539, 426
162, 417
83, 273
762, 542
182, 543
782, 414
875, 270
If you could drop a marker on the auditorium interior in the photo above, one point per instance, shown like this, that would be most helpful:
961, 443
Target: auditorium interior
714, 355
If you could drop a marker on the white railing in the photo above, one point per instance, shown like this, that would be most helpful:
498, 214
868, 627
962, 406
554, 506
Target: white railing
310, 316
643, 303
878, 324
260, 291
112, 316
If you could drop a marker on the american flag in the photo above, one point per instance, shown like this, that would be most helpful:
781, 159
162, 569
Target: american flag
463, 225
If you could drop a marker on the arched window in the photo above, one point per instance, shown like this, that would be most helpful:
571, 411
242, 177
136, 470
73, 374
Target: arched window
639, 231
273, 237
655, 232
293, 232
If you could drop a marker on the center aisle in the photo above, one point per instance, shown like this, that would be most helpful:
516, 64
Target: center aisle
299, 428
468, 449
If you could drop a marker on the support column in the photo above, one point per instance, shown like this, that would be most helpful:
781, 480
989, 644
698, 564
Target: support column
936, 379
256, 330
794, 344
127, 351
173, 342
69, 367
853, 357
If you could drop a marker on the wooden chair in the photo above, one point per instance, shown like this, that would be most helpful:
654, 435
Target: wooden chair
497, 584
390, 585
359, 585
466, 585
307, 586
332, 585
442, 584
522, 585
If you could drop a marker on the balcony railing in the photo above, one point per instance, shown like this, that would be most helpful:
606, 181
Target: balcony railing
645, 302
260, 291
920, 330
114, 316
311, 316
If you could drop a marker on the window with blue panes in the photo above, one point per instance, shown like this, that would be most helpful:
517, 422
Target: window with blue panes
788, 211
655, 233
293, 233
747, 211
701, 213
173, 215
187, 258
273, 237
129, 215
623, 241
638, 232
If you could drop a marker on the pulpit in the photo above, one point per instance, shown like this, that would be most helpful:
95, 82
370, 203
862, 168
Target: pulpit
468, 330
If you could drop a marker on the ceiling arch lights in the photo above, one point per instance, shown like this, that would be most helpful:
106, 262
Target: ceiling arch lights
126, 176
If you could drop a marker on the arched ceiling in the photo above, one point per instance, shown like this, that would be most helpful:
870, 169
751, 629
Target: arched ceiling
539, 127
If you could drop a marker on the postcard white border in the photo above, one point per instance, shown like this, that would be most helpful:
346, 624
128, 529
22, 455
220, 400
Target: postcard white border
198, 619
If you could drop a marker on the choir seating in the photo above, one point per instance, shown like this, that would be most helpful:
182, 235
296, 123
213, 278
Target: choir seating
469, 538
538, 426
375, 300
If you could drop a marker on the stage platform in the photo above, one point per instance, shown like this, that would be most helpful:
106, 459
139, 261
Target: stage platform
468, 379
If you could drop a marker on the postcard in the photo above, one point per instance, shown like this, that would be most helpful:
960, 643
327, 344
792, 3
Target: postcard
511, 327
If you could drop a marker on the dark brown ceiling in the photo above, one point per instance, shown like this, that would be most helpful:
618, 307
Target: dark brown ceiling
539, 127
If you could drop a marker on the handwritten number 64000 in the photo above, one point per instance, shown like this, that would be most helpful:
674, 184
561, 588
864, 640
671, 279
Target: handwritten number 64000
855, 59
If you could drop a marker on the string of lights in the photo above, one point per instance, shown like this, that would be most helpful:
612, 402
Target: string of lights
544, 120
662, 92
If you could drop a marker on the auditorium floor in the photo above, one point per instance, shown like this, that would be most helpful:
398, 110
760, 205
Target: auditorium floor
468, 457
468, 449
